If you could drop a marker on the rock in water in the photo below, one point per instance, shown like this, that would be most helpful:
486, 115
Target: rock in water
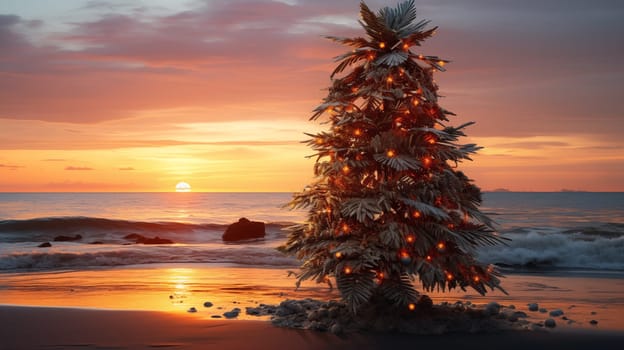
208, 304
67, 238
146, 240
533, 307
192, 309
232, 314
244, 229
45, 245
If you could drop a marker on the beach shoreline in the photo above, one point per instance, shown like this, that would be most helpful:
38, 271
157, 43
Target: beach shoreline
27, 327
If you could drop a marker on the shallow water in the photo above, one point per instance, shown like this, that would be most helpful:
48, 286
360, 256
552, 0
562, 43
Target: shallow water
177, 287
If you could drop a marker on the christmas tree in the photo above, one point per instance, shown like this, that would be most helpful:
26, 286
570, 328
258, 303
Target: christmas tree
388, 205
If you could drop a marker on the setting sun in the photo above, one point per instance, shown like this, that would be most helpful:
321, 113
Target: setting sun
183, 187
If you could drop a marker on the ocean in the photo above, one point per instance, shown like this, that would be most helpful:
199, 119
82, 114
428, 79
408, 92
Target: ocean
562, 231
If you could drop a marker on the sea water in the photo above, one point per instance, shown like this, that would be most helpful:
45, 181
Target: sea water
565, 231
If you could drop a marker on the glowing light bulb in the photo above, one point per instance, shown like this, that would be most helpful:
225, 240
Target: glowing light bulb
416, 214
476, 279
382, 45
431, 140
389, 79
441, 63
428, 258
346, 169
391, 153
441, 246
398, 121
449, 276
411, 306
357, 132
380, 275
410, 239
347, 270
406, 46
426, 161
319, 141
338, 255
420, 57
355, 89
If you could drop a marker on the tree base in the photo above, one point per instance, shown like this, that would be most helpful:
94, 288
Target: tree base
426, 318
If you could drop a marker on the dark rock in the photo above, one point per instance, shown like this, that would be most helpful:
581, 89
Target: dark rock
216, 316
550, 323
232, 314
244, 229
208, 304
520, 314
336, 329
424, 303
556, 312
96, 242
146, 240
533, 307
492, 309
192, 309
45, 245
67, 238
593, 322
543, 310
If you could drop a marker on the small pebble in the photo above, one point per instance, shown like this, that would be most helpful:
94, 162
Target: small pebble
594, 322
192, 309
550, 323
533, 307
216, 316
492, 308
556, 313
593, 312
543, 310
208, 304
512, 306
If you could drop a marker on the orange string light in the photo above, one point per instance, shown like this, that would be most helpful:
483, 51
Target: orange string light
391, 153
357, 132
426, 161
428, 258
410, 239
347, 270
416, 214
382, 45
411, 306
346, 169
441, 246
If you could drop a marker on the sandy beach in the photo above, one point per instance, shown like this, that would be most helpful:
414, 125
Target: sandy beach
64, 328
147, 307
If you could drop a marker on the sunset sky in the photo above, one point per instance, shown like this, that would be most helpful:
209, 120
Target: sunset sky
140, 95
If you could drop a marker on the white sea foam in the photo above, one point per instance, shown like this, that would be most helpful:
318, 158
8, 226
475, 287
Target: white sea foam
548, 248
